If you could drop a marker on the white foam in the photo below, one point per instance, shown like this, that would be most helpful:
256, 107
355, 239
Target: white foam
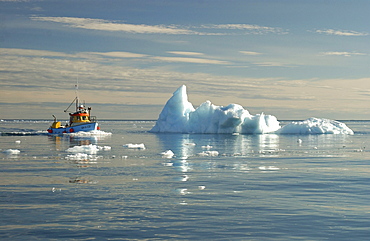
89, 133
135, 146
179, 116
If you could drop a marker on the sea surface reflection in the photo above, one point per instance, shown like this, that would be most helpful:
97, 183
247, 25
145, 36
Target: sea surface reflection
215, 187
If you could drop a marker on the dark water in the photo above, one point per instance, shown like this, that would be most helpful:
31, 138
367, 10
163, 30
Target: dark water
259, 187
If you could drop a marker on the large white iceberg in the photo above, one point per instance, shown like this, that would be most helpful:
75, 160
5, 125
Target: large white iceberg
179, 116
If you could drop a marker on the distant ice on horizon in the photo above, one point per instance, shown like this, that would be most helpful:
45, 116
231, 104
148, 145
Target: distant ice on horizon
179, 116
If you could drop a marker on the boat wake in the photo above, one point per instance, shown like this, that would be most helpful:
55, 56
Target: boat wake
23, 132
89, 133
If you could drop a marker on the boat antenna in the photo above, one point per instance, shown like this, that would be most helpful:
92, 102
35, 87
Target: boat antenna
76, 90
76, 94
75, 99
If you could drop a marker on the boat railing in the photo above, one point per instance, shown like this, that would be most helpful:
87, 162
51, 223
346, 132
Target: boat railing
93, 118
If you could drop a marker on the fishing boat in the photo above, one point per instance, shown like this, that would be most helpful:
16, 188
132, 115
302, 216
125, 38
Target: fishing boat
79, 120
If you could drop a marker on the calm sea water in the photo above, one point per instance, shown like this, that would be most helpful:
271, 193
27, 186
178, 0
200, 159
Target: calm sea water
259, 187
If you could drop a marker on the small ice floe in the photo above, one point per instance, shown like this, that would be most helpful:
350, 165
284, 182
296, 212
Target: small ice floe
167, 154
268, 168
184, 191
12, 152
361, 149
135, 146
201, 187
190, 144
168, 164
299, 141
81, 157
56, 189
184, 178
208, 153
18, 142
90, 149
208, 147
105, 148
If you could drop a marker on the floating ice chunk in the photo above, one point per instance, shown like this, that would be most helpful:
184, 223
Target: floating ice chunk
184, 191
316, 126
105, 148
208, 153
167, 154
90, 149
12, 152
81, 156
18, 142
190, 144
135, 146
185, 178
269, 168
56, 189
179, 115
207, 147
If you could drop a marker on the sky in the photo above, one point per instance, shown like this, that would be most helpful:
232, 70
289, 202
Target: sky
293, 59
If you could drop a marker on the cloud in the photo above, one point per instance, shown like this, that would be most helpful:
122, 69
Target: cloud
346, 54
185, 53
33, 78
160, 58
250, 53
190, 60
270, 64
32, 52
105, 25
120, 54
341, 32
247, 28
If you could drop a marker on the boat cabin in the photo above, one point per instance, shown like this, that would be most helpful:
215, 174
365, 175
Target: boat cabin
80, 116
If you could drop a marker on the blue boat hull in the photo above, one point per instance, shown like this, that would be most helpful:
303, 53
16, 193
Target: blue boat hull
92, 126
